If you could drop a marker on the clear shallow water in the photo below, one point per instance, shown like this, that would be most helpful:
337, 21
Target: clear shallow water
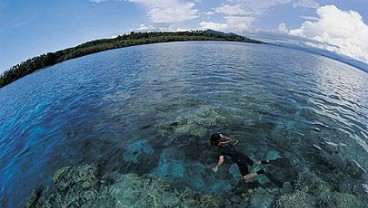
150, 110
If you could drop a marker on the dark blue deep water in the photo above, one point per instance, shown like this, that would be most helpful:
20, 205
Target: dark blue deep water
150, 110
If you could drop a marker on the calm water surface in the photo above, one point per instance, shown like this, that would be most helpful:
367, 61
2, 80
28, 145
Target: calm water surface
150, 110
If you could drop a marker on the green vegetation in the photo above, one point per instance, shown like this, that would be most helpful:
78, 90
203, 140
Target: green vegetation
49, 59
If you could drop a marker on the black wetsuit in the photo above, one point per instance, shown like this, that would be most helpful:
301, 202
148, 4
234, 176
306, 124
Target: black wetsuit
242, 160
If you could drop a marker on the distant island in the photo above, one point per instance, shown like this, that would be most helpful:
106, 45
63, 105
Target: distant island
134, 38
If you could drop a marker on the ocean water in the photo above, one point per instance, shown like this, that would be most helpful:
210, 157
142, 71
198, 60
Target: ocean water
150, 110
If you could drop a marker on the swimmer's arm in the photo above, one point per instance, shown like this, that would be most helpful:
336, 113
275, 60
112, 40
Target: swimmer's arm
228, 139
225, 137
220, 162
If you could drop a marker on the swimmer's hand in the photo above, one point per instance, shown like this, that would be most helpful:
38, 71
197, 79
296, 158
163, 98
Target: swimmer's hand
215, 169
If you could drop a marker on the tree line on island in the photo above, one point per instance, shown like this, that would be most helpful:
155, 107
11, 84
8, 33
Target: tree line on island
134, 38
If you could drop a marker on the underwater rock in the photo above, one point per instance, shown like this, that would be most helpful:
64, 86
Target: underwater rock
324, 194
246, 186
172, 166
273, 154
310, 181
72, 187
134, 191
350, 186
65, 177
235, 173
111, 177
336, 161
34, 197
340, 200
262, 199
195, 122
284, 139
329, 161
190, 129
251, 120
136, 150
236, 199
82, 186
286, 188
297, 199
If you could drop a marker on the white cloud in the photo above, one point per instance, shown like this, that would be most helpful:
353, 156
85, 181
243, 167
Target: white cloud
231, 10
146, 28
214, 26
168, 11
209, 13
306, 3
344, 29
310, 18
240, 14
256, 7
231, 24
160, 27
282, 28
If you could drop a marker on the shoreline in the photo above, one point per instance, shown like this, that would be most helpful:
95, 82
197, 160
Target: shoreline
45, 60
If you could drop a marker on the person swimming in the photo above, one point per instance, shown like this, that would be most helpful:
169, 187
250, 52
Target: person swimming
226, 149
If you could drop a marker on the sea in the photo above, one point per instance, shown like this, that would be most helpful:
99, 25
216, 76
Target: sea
151, 109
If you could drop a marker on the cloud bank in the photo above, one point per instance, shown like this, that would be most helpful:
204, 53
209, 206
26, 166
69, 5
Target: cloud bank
343, 32
239, 15
168, 11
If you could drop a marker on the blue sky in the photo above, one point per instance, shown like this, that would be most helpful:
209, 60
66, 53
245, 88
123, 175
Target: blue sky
31, 28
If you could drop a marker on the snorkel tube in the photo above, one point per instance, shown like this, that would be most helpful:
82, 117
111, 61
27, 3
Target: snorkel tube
216, 139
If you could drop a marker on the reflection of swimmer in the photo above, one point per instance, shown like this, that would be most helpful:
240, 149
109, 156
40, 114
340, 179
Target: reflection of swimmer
225, 147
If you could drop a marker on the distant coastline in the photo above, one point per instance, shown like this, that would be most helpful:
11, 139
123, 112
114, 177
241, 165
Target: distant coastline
33, 64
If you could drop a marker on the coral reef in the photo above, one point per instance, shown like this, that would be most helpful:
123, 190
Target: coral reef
133, 191
311, 191
88, 186
195, 122
72, 187
83, 186
297, 199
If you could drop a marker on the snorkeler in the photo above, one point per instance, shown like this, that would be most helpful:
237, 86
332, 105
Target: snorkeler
225, 147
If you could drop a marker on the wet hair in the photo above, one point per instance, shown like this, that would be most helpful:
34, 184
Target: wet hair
215, 139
